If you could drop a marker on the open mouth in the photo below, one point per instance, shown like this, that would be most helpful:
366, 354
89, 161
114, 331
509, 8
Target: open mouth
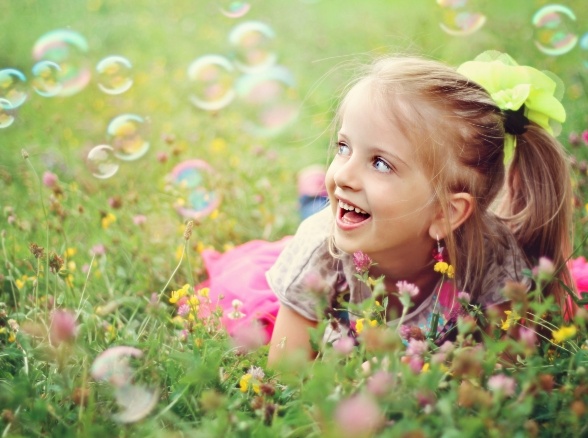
352, 215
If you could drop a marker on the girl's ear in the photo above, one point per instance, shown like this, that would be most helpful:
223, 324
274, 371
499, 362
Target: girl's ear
461, 206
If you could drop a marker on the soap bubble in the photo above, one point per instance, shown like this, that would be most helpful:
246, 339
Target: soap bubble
102, 162
192, 184
136, 402
6, 116
67, 49
114, 75
553, 29
234, 9
46, 78
127, 136
252, 42
12, 87
212, 79
584, 47
458, 18
269, 97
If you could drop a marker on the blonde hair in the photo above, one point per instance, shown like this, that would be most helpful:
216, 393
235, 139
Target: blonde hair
458, 132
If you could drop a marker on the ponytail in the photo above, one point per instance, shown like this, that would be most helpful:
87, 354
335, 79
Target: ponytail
538, 205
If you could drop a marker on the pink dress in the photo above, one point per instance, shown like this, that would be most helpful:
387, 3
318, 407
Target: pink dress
239, 274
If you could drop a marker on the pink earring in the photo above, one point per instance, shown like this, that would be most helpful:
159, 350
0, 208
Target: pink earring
438, 252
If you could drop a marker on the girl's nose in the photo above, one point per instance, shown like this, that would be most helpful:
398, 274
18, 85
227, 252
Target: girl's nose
346, 174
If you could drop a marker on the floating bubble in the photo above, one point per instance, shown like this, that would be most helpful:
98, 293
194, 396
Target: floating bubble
269, 98
234, 9
127, 137
553, 29
458, 18
136, 401
67, 49
212, 79
102, 162
192, 181
253, 42
114, 75
584, 47
6, 116
12, 86
46, 78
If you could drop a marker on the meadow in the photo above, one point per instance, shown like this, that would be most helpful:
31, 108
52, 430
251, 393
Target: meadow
158, 130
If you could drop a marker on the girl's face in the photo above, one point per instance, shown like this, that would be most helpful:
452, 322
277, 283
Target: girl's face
381, 199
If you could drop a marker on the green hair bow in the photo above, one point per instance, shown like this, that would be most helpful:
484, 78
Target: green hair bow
511, 86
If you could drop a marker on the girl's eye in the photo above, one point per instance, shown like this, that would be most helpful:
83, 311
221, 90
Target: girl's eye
381, 166
343, 149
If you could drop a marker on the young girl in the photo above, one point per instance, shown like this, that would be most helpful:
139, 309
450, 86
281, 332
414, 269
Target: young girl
430, 165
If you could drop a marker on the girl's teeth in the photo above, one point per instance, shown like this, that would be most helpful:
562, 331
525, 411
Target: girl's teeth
351, 208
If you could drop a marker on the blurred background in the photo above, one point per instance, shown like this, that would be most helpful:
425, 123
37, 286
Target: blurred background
207, 109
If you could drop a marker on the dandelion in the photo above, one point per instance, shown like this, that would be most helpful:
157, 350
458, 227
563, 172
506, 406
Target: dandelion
362, 262
502, 384
564, 333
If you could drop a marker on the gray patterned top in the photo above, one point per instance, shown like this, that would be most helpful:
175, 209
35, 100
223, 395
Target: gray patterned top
306, 267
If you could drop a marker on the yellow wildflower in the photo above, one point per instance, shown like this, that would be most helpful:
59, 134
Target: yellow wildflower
177, 294
70, 252
450, 271
20, 282
426, 367
564, 333
214, 214
511, 317
11, 337
359, 325
441, 267
245, 383
3, 330
108, 220
204, 292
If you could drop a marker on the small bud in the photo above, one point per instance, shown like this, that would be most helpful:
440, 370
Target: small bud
24, 154
188, 232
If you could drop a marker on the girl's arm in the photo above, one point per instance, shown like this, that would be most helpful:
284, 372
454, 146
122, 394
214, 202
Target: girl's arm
290, 335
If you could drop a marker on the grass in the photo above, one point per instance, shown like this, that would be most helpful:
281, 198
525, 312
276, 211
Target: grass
112, 266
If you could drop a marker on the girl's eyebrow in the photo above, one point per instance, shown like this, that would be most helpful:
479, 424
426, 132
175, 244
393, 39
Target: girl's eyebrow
383, 152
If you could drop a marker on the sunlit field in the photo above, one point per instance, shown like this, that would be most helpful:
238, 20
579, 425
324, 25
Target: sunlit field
134, 135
